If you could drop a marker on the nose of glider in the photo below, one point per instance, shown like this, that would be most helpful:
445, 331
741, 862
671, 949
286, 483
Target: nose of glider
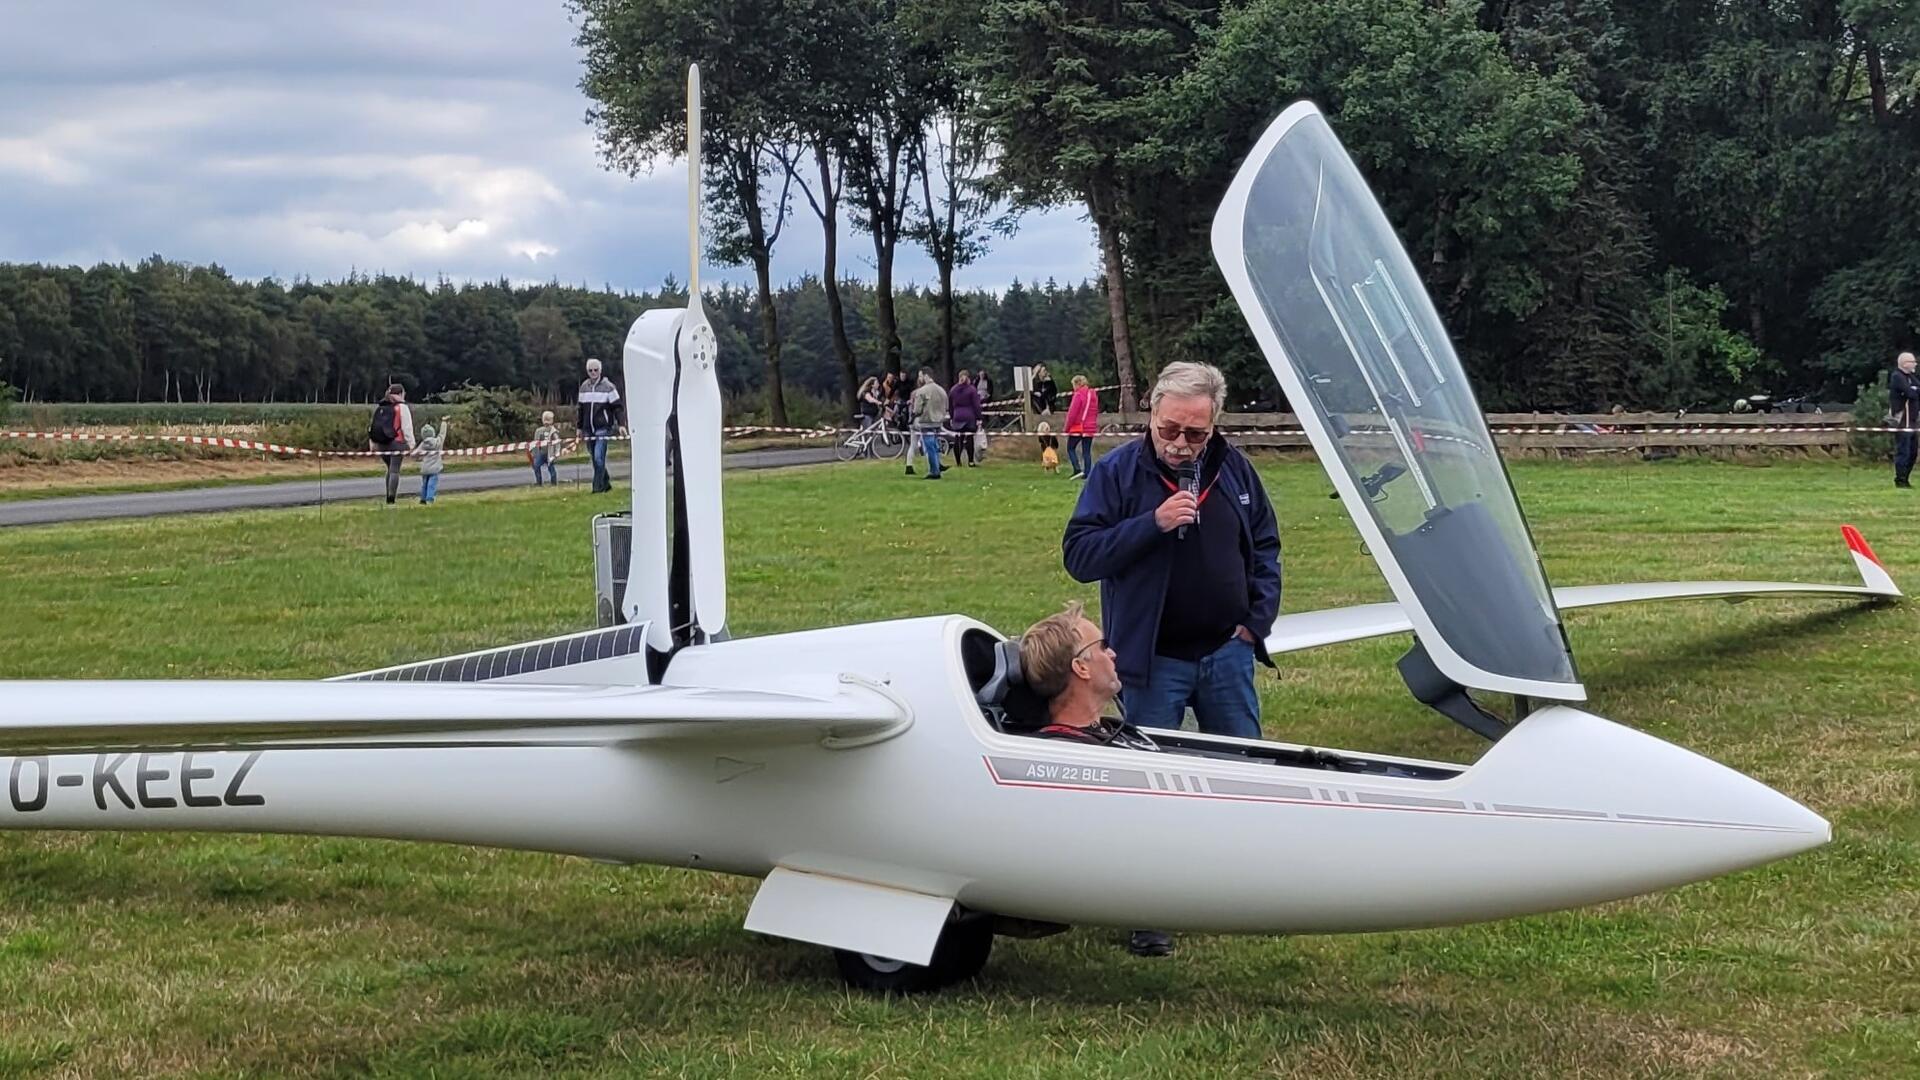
1675, 816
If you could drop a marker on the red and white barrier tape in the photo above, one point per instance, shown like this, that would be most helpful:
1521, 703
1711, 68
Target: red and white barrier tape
226, 443
192, 440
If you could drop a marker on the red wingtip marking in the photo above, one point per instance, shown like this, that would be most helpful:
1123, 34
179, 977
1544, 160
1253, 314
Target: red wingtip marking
1856, 542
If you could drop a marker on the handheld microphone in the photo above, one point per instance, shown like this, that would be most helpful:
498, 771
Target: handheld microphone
1189, 483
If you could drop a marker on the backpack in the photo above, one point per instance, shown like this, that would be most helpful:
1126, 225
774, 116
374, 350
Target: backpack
383, 423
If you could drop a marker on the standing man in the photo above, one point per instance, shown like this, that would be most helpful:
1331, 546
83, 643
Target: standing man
1178, 531
1903, 408
929, 414
1189, 569
392, 434
599, 420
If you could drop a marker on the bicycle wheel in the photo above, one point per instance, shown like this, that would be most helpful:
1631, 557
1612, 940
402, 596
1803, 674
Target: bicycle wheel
888, 444
848, 447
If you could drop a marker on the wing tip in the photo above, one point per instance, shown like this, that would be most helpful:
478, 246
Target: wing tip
1873, 573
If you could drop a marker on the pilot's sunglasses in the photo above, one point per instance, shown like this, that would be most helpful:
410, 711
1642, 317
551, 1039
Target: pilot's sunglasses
1174, 432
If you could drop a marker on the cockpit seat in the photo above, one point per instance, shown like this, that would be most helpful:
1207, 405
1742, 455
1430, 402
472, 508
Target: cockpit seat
1006, 698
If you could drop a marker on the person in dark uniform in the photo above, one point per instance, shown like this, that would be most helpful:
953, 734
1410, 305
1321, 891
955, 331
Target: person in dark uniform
1067, 662
1903, 410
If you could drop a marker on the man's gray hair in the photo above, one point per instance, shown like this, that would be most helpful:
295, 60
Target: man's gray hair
1184, 378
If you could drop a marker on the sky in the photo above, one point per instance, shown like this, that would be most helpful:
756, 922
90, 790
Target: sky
418, 139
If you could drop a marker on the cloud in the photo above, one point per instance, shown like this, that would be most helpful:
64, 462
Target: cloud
422, 140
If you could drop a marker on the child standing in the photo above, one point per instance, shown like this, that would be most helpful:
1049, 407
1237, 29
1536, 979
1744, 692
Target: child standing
1049, 448
546, 440
431, 445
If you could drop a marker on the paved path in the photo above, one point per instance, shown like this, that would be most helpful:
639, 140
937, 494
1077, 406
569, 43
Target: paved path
308, 492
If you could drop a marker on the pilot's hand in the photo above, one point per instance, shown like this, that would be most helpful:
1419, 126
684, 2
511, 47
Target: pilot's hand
1181, 508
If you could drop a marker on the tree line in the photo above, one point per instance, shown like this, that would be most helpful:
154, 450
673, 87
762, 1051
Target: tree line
171, 331
1648, 203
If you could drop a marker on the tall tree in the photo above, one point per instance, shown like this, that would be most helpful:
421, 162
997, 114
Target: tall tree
1069, 89
636, 54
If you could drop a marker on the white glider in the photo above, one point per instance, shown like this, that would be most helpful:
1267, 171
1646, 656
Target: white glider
879, 779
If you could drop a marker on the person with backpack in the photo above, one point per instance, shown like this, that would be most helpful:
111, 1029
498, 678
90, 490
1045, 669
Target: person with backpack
391, 434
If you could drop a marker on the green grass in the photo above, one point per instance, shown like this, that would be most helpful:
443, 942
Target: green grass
191, 955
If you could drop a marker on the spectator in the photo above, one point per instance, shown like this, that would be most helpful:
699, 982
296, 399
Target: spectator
870, 404
546, 447
599, 421
431, 465
964, 404
1044, 391
391, 434
1189, 585
1903, 411
1083, 422
929, 415
1049, 448
984, 383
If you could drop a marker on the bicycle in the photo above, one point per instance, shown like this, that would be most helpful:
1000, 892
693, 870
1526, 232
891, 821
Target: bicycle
875, 439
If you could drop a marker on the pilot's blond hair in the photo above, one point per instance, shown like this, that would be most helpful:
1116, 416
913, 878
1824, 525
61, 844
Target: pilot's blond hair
1047, 648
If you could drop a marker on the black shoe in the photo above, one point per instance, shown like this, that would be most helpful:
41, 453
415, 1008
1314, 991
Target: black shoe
1150, 943
933, 476
1902, 483
909, 470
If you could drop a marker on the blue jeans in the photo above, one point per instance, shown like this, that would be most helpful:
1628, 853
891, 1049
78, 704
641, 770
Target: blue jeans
597, 446
1218, 687
930, 446
543, 459
429, 487
1080, 453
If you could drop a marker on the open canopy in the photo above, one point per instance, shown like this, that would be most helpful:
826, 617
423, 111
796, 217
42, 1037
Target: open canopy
1356, 344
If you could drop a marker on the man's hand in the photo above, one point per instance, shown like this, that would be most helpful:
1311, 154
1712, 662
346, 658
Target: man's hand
1181, 508
1243, 634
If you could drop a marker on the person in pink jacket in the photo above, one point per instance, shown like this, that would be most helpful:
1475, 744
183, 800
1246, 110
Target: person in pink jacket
1083, 422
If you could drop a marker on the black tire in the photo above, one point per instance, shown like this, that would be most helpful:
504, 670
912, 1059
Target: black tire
888, 444
848, 447
959, 956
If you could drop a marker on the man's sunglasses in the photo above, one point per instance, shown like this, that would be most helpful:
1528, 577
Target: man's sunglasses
1096, 643
1174, 433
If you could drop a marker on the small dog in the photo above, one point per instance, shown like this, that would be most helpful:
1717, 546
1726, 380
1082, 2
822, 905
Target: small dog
1049, 449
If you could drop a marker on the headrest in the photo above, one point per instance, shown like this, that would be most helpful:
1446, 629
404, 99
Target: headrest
1007, 688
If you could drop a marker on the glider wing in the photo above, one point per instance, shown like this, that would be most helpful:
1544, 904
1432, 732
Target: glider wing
104, 715
1311, 629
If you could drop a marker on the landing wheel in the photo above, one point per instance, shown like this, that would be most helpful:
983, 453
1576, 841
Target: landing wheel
959, 956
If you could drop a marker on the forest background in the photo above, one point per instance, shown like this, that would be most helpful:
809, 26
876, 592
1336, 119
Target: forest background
1645, 203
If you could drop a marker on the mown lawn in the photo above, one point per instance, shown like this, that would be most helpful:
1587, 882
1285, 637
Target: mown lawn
126, 954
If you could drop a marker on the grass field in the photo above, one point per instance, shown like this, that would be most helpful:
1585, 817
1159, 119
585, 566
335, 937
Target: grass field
214, 955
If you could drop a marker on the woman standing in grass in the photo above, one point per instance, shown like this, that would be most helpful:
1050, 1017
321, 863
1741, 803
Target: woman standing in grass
963, 416
1083, 422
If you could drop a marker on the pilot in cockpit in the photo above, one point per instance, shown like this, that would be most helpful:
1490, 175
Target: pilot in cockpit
1067, 664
